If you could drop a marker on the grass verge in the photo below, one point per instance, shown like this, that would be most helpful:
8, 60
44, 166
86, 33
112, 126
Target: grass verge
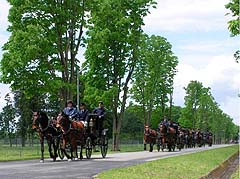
236, 174
189, 166
20, 153
33, 152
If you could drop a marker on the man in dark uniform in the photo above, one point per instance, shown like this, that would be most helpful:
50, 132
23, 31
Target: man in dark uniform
70, 110
100, 111
165, 123
83, 112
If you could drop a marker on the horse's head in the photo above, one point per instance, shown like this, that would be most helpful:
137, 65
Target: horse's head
146, 129
35, 120
162, 127
39, 120
63, 122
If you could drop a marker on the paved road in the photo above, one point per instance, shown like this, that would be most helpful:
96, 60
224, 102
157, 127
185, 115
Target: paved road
85, 169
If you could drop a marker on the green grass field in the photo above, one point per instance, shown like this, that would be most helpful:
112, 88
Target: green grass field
20, 153
189, 166
24, 153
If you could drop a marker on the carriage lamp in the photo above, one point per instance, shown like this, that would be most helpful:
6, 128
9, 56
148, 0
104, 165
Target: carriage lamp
85, 124
91, 123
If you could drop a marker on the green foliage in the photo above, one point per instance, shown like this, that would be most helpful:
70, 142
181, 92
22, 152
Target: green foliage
234, 24
132, 123
41, 51
7, 119
202, 111
154, 73
112, 53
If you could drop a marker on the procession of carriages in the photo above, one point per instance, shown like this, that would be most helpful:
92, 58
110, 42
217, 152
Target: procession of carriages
68, 137
175, 137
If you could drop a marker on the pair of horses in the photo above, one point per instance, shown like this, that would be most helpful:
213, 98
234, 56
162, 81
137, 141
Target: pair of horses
163, 138
58, 132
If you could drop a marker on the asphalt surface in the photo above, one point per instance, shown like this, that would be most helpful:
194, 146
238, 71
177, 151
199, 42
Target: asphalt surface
83, 169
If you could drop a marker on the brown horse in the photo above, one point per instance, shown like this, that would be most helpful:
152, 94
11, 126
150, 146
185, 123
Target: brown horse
72, 133
167, 139
45, 129
209, 139
150, 137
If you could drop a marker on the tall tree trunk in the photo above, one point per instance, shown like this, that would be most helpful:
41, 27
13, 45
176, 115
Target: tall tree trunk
23, 139
170, 107
10, 139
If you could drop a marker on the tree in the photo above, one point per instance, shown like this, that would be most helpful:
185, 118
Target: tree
153, 76
189, 114
112, 53
24, 107
202, 111
206, 102
41, 52
8, 121
234, 24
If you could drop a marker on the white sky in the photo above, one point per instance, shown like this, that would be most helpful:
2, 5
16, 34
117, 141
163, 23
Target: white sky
197, 29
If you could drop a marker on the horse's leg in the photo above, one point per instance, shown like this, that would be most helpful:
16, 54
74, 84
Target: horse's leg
73, 147
150, 148
55, 149
64, 143
162, 143
49, 141
144, 144
81, 155
75, 150
42, 149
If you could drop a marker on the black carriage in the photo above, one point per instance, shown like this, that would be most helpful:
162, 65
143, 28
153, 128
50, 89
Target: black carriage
95, 135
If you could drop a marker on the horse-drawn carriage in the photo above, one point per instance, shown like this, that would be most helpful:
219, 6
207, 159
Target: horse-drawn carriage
89, 135
67, 136
163, 138
95, 135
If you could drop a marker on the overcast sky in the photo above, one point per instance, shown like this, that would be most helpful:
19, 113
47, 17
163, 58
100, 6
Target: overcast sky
197, 30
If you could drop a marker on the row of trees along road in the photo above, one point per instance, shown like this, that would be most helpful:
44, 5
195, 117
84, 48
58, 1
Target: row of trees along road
41, 59
202, 111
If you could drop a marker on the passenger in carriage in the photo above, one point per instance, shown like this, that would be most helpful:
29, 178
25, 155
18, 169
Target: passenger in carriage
83, 113
170, 123
100, 111
167, 123
70, 110
209, 133
164, 122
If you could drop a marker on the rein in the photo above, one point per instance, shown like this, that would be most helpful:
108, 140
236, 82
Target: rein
45, 129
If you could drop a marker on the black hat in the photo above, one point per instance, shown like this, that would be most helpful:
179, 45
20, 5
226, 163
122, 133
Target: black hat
100, 102
82, 104
69, 101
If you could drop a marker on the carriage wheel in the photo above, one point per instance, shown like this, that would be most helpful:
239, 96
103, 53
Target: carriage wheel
104, 146
88, 148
